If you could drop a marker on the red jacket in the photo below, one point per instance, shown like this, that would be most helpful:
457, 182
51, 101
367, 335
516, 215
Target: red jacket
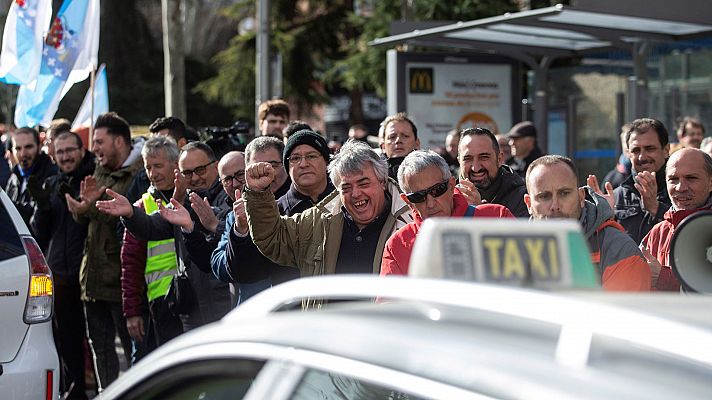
658, 241
133, 266
396, 254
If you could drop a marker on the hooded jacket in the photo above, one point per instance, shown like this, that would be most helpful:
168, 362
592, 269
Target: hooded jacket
100, 274
17, 190
396, 255
658, 242
629, 213
508, 189
60, 237
621, 265
311, 240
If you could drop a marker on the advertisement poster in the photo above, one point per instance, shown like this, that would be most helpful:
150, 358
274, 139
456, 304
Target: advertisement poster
441, 96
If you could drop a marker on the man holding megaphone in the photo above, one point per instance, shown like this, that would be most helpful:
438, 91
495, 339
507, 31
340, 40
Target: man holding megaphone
689, 182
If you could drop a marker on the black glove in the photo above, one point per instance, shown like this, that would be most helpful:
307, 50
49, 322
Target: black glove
39, 193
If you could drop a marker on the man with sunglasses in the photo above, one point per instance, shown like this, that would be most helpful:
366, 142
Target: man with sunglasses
483, 175
430, 191
345, 232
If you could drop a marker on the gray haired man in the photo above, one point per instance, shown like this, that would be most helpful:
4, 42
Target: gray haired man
344, 233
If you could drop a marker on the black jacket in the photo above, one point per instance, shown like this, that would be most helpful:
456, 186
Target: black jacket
294, 202
508, 189
59, 236
520, 166
212, 296
636, 221
42, 169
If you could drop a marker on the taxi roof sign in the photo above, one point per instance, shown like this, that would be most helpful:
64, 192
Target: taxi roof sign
542, 254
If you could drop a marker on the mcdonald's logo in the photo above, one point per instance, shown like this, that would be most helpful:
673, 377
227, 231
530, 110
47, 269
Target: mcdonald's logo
421, 80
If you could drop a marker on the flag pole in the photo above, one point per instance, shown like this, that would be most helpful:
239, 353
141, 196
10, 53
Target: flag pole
92, 77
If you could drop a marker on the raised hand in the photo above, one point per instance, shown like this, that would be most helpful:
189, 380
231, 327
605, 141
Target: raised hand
238, 207
592, 181
259, 176
204, 211
469, 190
647, 186
88, 194
118, 206
654, 266
177, 215
89, 191
181, 186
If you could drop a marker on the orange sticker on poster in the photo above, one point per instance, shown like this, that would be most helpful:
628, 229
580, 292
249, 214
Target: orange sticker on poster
478, 120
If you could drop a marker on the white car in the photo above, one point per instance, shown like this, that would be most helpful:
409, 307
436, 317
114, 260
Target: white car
29, 365
435, 339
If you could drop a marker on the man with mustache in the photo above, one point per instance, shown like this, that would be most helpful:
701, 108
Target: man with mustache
642, 199
32, 168
689, 183
62, 239
554, 193
483, 176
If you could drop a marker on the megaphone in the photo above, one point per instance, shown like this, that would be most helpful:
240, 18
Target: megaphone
691, 253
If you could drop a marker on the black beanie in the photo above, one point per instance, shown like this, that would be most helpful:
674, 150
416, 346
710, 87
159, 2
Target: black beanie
308, 137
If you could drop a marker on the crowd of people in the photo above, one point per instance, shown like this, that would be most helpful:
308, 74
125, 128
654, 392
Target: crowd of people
148, 238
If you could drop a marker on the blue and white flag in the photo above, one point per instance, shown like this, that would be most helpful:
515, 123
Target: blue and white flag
71, 45
84, 117
26, 23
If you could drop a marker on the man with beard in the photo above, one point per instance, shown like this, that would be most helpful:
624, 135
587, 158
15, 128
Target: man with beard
689, 184
398, 136
100, 274
430, 192
32, 168
483, 177
62, 240
641, 201
553, 192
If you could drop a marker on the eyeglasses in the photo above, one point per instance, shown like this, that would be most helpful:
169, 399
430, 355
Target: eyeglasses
296, 159
200, 171
274, 164
238, 176
68, 150
436, 190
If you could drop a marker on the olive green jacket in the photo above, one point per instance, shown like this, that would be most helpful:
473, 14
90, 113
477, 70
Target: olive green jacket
311, 240
100, 273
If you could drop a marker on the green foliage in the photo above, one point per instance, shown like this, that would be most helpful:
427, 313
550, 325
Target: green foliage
325, 45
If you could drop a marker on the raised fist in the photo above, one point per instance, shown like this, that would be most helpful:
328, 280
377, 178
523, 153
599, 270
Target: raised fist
259, 176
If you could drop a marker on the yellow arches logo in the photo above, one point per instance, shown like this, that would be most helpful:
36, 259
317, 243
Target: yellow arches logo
421, 80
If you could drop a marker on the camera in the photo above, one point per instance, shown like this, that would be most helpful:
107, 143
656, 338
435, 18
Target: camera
226, 139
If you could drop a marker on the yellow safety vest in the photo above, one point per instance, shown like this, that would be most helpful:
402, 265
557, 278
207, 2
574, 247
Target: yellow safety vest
161, 259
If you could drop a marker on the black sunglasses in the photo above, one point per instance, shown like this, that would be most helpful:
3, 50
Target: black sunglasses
436, 190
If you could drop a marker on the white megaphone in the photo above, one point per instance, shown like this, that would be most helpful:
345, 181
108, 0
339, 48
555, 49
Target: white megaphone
691, 253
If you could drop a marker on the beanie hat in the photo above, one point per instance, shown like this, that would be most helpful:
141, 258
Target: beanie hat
308, 137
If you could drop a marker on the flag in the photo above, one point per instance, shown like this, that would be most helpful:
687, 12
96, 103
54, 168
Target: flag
72, 43
101, 101
21, 54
